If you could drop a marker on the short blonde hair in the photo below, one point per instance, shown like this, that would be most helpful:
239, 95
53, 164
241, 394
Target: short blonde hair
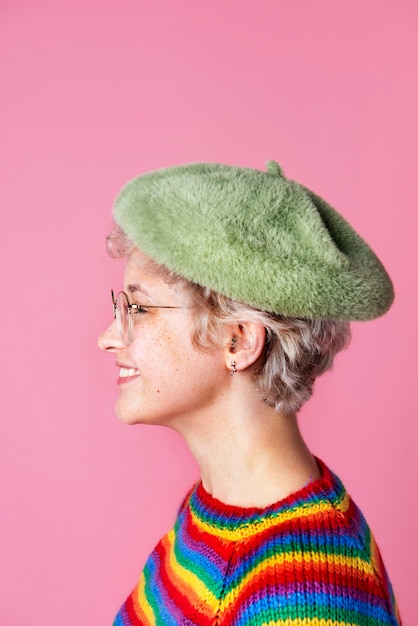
296, 350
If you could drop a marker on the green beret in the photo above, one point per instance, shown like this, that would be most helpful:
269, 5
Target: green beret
256, 237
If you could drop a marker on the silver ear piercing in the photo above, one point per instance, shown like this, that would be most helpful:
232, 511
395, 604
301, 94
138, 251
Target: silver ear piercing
233, 367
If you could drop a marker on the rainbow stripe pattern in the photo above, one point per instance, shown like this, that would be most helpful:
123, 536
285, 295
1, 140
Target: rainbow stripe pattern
309, 560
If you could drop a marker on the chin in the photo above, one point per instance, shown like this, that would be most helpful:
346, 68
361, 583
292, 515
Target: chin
127, 421
126, 417
130, 419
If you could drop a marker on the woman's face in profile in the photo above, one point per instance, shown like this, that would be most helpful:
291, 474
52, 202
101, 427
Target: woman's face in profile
162, 378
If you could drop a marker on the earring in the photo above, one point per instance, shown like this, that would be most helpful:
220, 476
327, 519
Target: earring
233, 368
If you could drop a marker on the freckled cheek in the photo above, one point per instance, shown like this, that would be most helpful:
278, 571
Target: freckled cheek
171, 349
165, 352
181, 356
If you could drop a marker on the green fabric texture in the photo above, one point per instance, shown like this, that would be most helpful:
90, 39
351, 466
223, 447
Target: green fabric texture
256, 237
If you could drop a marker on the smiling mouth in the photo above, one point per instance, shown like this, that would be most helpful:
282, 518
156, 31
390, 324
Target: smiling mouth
128, 372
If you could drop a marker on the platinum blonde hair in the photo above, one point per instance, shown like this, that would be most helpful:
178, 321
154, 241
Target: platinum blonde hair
296, 350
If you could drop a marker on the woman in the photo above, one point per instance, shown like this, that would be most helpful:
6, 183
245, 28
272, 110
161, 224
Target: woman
239, 285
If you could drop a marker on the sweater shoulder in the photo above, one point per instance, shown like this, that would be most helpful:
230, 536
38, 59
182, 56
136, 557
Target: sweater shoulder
322, 563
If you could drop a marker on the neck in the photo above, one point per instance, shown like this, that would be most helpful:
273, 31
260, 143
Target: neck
248, 453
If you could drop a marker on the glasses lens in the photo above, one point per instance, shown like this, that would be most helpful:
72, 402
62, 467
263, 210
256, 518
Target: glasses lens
123, 319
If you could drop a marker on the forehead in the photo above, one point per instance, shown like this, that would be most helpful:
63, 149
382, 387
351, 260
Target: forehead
140, 264
138, 261
142, 276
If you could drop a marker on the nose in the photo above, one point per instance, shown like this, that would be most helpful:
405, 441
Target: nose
109, 340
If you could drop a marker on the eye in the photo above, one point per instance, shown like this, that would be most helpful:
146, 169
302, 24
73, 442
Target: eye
138, 308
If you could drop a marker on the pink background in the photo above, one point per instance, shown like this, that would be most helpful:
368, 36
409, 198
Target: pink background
94, 92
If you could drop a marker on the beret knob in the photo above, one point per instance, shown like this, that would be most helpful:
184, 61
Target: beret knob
274, 168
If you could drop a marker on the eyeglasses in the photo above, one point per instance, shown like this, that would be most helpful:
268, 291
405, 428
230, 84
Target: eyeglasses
123, 312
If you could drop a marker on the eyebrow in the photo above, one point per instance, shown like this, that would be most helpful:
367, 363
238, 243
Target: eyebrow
136, 287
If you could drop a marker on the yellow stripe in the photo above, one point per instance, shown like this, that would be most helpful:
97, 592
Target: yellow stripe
333, 561
252, 529
142, 602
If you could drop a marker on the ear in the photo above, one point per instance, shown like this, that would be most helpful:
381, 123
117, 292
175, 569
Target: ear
245, 345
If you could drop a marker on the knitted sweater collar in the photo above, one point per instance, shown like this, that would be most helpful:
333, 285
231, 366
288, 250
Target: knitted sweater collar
237, 523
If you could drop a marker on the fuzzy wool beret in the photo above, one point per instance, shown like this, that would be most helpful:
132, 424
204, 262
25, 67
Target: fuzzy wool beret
256, 237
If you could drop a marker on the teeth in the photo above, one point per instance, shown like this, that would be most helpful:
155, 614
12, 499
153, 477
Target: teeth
128, 371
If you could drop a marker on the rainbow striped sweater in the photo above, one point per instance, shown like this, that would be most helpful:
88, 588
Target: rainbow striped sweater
308, 560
